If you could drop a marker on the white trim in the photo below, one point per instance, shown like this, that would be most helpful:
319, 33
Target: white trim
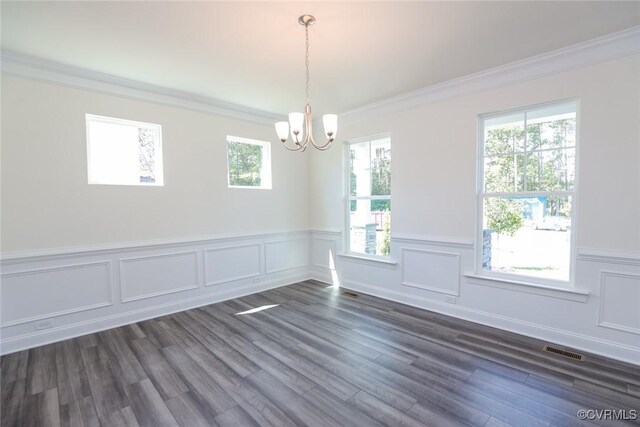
609, 47
590, 344
457, 242
275, 242
159, 165
601, 322
610, 257
481, 194
347, 190
430, 288
30, 67
265, 167
46, 254
260, 247
371, 260
123, 283
106, 303
571, 294
329, 231
22, 342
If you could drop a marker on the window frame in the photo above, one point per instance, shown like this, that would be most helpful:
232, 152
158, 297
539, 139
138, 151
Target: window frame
265, 169
159, 166
348, 198
481, 195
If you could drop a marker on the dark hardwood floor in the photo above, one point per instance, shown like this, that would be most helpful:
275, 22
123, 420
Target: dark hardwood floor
315, 357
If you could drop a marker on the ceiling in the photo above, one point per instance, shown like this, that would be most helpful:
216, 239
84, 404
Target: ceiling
252, 53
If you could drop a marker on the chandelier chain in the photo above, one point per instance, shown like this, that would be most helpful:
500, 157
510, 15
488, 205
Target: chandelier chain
306, 59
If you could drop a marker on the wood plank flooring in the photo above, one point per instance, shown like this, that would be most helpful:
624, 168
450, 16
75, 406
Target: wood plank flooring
312, 356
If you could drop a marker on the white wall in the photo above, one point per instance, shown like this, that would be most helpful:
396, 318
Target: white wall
434, 157
77, 258
433, 217
47, 203
104, 276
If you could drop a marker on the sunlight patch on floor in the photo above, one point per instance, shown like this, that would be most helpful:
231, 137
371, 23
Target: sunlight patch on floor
257, 309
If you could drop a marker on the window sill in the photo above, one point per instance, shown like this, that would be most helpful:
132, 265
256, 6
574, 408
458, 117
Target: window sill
571, 294
379, 262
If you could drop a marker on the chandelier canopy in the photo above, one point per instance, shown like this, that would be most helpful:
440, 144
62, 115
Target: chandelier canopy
300, 124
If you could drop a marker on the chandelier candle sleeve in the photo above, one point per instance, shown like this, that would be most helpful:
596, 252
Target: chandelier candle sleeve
300, 124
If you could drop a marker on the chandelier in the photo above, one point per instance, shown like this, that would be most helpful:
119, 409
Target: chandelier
300, 124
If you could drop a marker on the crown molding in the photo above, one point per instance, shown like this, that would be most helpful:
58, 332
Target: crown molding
602, 49
41, 69
612, 46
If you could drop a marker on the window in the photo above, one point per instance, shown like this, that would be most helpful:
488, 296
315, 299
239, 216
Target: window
123, 152
526, 193
369, 200
249, 163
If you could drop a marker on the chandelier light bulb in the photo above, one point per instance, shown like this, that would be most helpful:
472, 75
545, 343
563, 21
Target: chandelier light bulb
282, 129
330, 122
296, 121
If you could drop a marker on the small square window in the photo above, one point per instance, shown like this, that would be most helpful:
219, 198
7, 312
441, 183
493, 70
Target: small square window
249, 163
123, 152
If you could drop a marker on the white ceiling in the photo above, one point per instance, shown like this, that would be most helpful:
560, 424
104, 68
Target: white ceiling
252, 53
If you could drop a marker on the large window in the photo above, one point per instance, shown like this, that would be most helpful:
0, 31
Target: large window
249, 163
123, 152
369, 200
526, 193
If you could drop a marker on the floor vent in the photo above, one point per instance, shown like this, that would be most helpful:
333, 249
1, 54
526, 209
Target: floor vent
565, 353
349, 294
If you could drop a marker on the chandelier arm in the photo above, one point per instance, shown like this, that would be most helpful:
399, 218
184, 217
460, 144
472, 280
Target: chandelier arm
298, 148
323, 147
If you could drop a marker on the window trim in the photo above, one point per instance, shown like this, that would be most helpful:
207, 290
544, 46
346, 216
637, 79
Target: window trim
159, 167
348, 198
265, 169
480, 196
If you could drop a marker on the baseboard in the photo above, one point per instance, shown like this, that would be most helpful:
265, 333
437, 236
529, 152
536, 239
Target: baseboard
585, 343
49, 336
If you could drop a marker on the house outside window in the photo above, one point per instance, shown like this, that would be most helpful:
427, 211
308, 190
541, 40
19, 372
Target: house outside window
369, 196
123, 152
527, 193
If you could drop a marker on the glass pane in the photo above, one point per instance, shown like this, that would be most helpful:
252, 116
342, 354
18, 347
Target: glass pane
370, 227
245, 163
504, 135
359, 170
551, 127
551, 170
381, 167
147, 146
527, 236
504, 173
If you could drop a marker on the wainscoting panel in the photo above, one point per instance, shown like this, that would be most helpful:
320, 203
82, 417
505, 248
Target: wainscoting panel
286, 254
35, 294
228, 264
620, 301
437, 273
53, 295
151, 276
324, 252
431, 270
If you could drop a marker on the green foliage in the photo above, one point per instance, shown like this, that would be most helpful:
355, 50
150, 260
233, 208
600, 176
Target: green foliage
385, 245
547, 164
380, 205
504, 216
245, 162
